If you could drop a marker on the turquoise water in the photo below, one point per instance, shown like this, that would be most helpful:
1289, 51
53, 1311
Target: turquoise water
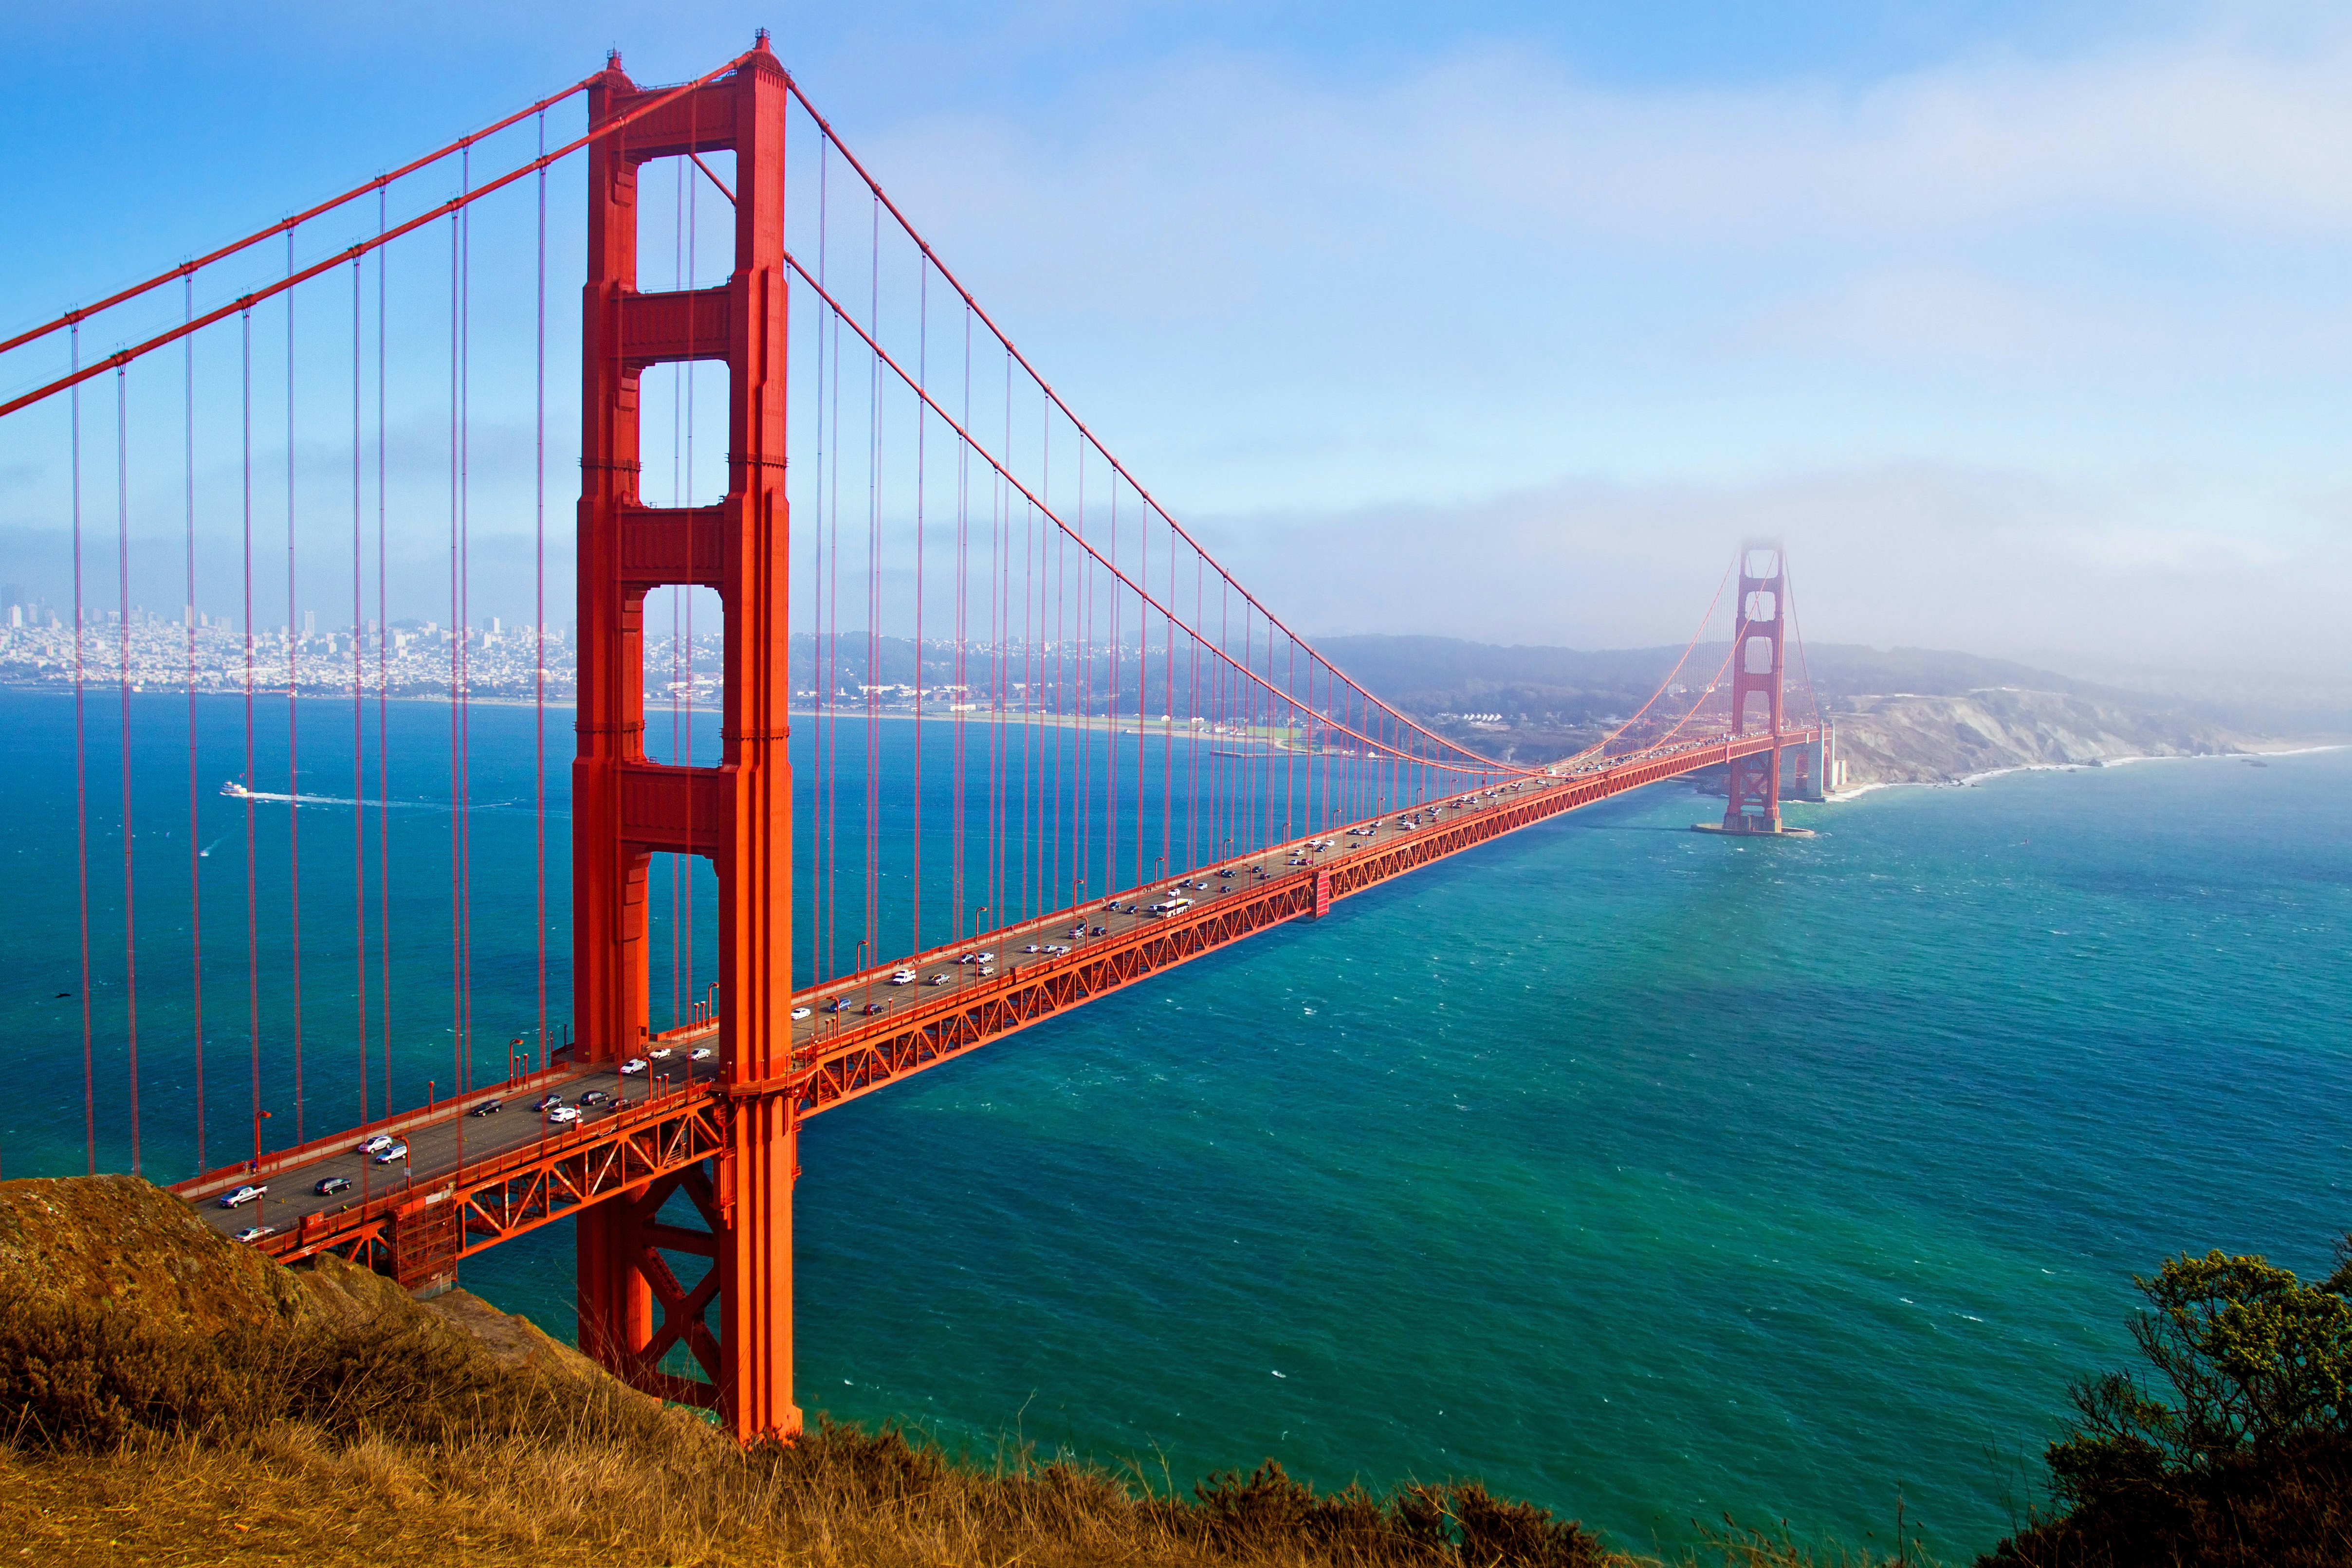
1644, 1175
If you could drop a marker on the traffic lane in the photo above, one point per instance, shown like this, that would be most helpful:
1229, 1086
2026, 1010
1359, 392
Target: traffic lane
434, 1149
1009, 945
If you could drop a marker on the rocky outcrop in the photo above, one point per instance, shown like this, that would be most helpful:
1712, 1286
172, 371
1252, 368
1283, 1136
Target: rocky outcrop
1904, 739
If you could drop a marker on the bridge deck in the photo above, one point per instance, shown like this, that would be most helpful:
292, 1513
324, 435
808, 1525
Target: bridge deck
513, 1171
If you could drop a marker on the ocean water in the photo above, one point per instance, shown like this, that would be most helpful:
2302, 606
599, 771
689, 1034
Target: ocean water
1643, 1174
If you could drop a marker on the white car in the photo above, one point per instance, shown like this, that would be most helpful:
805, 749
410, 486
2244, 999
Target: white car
942, 979
632, 1067
800, 1013
700, 1053
253, 1233
902, 977
377, 1144
242, 1196
983, 957
562, 1114
1032, 947
659, 1054
392, 1154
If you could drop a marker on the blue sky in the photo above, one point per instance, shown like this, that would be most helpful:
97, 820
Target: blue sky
2023, 323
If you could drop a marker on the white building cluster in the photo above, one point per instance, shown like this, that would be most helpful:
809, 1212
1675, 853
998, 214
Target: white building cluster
159, 652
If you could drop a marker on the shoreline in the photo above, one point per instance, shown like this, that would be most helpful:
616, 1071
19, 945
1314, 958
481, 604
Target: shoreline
1967, 779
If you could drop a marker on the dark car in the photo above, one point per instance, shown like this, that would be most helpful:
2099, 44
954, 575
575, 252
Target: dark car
330, 1186
872, 1008
486, 1108
595, 1097
838, 1005
1102, 931
547, 1102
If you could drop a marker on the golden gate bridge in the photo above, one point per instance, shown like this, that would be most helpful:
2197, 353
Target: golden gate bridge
1133, 759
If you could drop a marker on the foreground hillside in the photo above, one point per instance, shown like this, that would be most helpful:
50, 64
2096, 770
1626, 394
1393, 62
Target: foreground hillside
168, 1396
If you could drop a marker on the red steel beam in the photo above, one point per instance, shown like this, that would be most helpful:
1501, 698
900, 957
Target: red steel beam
519, 1189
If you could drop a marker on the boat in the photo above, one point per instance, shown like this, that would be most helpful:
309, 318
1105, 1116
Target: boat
235, 792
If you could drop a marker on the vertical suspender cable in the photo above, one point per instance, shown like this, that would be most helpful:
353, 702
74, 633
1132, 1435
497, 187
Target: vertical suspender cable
81, 787
1168, 717
684, 759
195, 856
293, 769
922, 431
1082, 783
538, 608
960, 679
1194, 711
831, 587
1289, 741
1049, 895
1110, 712
464, 635
456, 640
383, 675
1142, 667
123, 590
252, 887
359, 688
677, 498
819, 968
874, 609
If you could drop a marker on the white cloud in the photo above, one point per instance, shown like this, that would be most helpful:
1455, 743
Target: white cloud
1999, 562
2018, 354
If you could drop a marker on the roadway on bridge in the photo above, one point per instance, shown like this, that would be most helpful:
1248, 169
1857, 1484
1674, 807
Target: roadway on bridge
835, 1013
443, 1145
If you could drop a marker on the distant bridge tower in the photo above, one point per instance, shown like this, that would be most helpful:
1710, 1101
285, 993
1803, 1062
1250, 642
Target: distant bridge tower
1753, 803
738, 814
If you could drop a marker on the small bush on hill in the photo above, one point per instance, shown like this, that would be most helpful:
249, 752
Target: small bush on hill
2237, 1450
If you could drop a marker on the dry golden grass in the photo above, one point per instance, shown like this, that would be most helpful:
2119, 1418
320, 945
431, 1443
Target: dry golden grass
294, 1495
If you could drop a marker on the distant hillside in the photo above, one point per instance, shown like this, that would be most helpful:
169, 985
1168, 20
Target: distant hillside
1913, 714
1932, 739
1448, 672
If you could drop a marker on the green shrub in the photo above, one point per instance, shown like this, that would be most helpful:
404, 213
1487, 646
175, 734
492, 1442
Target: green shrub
2235, 1446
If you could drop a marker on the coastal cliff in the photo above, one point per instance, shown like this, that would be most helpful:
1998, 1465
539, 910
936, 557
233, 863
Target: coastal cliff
1902, 738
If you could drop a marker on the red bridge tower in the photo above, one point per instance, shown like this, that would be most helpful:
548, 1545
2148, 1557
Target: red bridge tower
738, 814
1753, 803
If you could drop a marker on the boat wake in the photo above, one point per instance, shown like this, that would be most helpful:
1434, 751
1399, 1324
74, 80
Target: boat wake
237, 791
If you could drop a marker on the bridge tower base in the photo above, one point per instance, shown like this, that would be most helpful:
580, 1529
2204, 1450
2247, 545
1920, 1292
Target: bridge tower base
728, 1222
